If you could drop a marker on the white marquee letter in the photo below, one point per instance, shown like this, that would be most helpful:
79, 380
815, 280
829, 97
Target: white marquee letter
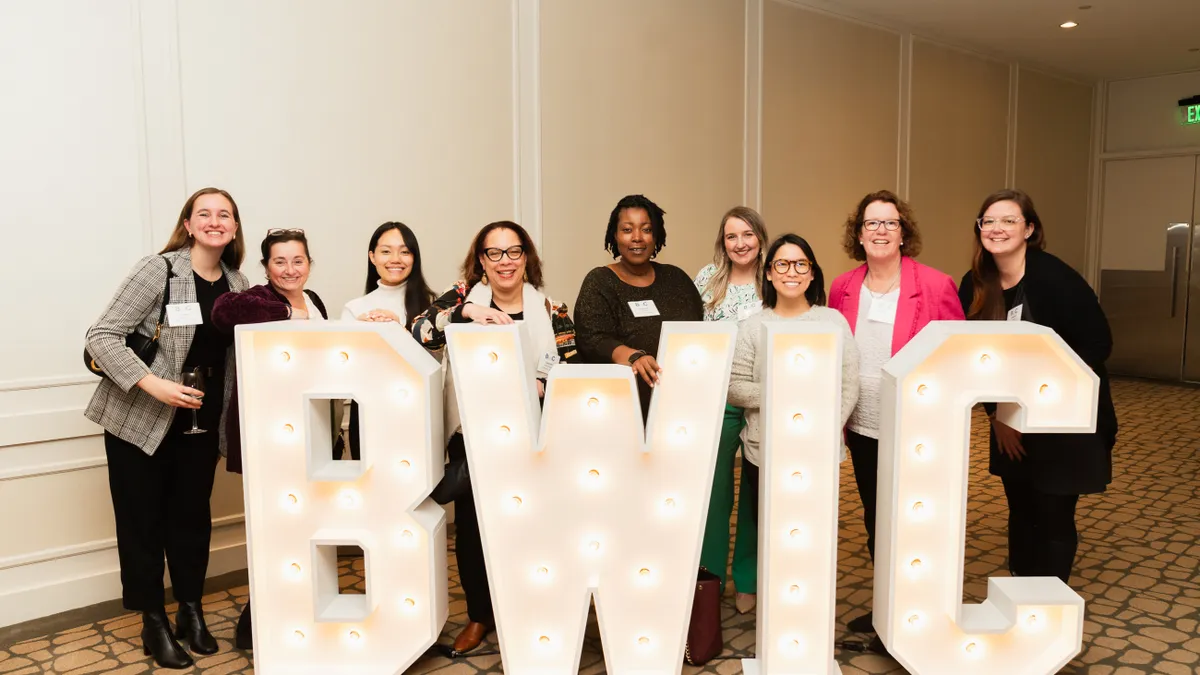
1027, 626
798, 497
590, 505
301, 504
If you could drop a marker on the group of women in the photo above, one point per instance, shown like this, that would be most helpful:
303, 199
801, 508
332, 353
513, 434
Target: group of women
161, 476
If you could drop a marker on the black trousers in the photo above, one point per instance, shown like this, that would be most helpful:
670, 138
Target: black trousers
1042, 538
161, 503
864, 454
468, 547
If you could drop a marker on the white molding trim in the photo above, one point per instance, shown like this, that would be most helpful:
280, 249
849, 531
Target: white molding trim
1186, 71
66, 466
904, 123
72, 550
46, 425
1092, 228
752, 120
527, 119
969, 51
1014, 93
47, 382
1151, 154
838, 11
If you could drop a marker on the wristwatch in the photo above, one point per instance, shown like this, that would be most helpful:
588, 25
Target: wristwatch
635, 356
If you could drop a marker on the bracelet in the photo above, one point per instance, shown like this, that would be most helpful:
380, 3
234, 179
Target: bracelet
635, 356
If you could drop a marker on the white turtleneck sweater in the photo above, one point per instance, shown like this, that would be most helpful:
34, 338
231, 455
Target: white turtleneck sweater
386, 297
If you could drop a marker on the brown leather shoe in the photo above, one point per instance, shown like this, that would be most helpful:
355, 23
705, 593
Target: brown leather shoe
470, 637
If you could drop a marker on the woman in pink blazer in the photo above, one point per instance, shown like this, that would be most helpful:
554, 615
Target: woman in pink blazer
886, 301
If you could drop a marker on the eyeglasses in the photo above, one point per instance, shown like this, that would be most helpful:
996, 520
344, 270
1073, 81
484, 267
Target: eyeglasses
889, 225
801, 266
1005, 223
513, 253
278, 231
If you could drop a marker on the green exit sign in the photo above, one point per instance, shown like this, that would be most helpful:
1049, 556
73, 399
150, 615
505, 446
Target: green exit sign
1190, 107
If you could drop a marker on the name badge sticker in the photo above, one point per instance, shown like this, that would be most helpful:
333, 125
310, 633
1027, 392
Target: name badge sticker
643, 308
882, 310
184, 314
1014, 314
548, 361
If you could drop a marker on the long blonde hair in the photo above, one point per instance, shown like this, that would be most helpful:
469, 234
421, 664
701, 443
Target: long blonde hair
234, 252
719, 283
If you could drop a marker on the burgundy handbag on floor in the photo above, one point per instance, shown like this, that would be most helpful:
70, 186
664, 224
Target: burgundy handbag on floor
704, 632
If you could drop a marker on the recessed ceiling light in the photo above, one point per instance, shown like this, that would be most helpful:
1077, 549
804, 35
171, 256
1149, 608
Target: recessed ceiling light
1085, 7
1194, 49
1069, 24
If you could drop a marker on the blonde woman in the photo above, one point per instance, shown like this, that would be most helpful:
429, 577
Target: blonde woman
731, 288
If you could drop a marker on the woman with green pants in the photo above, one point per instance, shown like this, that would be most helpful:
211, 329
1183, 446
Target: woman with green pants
730, 288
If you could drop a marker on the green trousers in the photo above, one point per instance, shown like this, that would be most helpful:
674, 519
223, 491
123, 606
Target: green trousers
714, 554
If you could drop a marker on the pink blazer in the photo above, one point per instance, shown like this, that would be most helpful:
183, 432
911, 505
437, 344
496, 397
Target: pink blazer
925, 295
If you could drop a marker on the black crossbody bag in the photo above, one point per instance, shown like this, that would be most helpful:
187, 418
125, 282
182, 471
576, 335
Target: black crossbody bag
145, 347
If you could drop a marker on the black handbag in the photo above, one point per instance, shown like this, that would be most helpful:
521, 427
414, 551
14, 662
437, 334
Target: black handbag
145, 347
457, 480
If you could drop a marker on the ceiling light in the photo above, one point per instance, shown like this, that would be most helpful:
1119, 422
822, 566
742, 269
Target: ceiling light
1085, 7
1069, 24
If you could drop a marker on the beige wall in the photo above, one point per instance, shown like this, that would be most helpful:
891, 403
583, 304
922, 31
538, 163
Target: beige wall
1144, 114
959, 148
831, 102
1054, 138
652, 105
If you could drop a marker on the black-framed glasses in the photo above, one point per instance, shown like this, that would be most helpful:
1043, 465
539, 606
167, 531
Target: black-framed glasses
873, 225
801, 266
1005, 223
513, 253
279, 230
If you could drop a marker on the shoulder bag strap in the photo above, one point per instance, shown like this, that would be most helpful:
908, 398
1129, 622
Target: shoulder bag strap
166, 298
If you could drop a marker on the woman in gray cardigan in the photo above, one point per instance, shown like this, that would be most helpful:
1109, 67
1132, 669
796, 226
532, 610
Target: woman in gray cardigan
161, 478
793, 290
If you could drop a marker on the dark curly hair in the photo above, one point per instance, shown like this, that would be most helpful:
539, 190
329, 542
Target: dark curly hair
656, 221
910, 236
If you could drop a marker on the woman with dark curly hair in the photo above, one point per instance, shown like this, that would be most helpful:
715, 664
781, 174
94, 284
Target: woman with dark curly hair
622, 306
887, 300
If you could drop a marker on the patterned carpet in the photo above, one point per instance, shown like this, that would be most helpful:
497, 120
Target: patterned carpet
1138, 571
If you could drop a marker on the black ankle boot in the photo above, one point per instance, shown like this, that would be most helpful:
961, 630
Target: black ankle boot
157, 640
190, 628
245, 635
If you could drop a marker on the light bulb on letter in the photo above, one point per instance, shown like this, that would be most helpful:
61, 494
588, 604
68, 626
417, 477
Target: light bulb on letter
344, 357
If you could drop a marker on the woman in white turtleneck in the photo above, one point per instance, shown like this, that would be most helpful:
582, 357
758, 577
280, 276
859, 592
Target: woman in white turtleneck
396, 288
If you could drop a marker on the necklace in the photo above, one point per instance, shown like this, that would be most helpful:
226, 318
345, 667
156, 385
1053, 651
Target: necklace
878, 296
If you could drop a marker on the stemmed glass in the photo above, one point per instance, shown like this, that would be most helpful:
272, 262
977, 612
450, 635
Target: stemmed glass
195, 379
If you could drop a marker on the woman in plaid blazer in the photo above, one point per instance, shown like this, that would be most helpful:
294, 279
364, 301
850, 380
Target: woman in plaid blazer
161, 479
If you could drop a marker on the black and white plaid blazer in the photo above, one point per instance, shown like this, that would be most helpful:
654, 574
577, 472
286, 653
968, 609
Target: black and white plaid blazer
123, 409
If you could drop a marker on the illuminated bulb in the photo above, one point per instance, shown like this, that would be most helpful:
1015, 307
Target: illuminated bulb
984, 359
504, 430
917, 507
354, 635
921, 389
794, 589
344, 356
1032, 620
669, 503
643, 640
404, 464
295, 567
516, 500
915, 564
542, 571
289, 428
544, 640
797, 418
795, 532
970, 647
293, 499
798, 360
402, 393
1043, 389
594, 473
681, 431
593, 402
285, 357
493, 357
919, 449
349, 499
1068, 24
595, 546
797, 476
407, 534
795, 644
914, 620
299, 634
645, 572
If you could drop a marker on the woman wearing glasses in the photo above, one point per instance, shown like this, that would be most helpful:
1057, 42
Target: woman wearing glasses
161, 473
502, 281
730, 287
1012, 277
793, 290
887, 300
622, 306
287, 264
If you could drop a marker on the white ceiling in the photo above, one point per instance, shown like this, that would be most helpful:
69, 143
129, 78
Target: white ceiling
1115, 39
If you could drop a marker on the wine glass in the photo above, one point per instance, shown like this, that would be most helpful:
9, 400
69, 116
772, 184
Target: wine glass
193, 378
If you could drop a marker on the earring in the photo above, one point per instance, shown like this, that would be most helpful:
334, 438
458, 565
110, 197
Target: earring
525, 277
484, 280
189, 235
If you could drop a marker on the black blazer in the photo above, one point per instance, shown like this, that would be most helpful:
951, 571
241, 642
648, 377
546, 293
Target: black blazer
1056, 296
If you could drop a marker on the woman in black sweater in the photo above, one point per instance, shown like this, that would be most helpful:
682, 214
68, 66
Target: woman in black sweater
622, 306
1013, 277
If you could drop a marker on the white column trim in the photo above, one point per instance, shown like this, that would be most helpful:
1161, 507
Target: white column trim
904, 122
527, 120
1092, 232
752, 134
1014, 87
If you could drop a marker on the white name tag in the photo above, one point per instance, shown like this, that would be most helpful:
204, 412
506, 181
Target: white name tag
883, 310
184, 314
548, 361
1014, 314
642, 308
749, 311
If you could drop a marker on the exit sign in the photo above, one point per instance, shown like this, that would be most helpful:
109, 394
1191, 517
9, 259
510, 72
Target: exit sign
1191, 110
